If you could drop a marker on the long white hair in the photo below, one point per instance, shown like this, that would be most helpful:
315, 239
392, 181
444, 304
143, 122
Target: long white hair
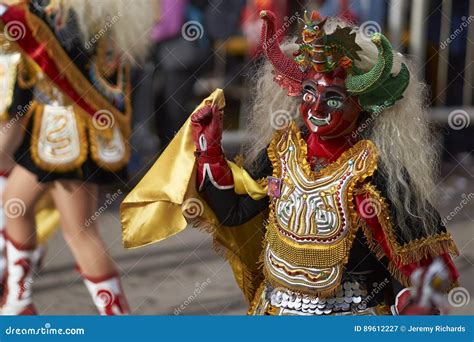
402, 134
127, 22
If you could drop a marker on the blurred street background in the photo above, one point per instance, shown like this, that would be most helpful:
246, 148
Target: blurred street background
203, 44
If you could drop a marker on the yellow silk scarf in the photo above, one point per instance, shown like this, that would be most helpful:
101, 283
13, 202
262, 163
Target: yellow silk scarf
166, 201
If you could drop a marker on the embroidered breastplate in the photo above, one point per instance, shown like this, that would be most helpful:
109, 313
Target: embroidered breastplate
312, 222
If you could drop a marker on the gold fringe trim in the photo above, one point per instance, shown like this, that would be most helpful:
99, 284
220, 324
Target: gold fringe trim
27, 75
93, 136
256, 299
373, 245
251, 281
412, 252
74, 76
405, 280
415, 250
83, 143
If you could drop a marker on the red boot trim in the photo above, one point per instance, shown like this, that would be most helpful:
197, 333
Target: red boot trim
97, 279
30, 310
18, 245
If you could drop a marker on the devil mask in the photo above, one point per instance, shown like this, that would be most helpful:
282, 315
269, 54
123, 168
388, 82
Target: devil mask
333, 90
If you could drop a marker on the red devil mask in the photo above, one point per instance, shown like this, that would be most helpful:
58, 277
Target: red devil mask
333, 92
326, 107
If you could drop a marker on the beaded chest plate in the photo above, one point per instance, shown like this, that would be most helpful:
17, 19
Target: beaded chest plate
313, 222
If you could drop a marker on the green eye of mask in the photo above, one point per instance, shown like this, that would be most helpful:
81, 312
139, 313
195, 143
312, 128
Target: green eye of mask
334, 103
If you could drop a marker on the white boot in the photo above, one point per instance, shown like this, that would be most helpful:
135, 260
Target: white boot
39, 252
18, 281
107, 295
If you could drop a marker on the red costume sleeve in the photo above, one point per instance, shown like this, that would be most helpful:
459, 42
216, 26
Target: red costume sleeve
403, 259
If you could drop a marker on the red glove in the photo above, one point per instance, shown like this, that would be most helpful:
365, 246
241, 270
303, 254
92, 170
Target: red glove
207, 125
428, 294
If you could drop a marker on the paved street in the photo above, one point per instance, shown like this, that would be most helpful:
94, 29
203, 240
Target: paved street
162, 279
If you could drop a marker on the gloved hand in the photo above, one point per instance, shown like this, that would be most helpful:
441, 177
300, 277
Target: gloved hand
207, 126
427, 296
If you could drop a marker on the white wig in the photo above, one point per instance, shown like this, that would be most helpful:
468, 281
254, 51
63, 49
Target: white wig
127, 23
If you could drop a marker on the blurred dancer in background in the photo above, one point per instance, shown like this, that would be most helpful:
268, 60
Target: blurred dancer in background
12, 110
76, 129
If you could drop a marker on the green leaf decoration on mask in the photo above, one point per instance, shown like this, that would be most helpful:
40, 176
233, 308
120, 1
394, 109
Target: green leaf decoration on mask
363, 83
387, 93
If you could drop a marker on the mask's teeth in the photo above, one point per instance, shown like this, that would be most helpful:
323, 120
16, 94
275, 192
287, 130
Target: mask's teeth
317, 121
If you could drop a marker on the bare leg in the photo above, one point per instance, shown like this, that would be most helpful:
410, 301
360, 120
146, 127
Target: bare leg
21, 194
77, 202
10, 139
20, 197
